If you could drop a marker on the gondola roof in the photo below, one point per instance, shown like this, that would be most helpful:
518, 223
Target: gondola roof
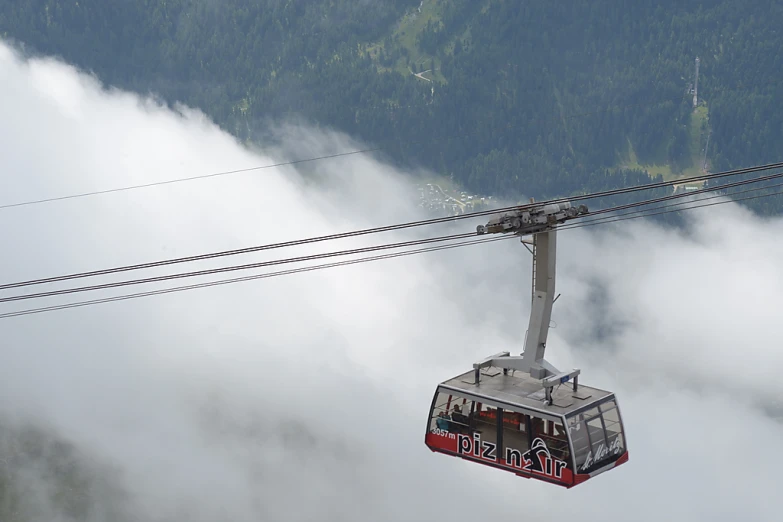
521, 389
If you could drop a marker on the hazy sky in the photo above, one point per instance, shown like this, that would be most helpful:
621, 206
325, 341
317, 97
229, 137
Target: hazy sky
305, 397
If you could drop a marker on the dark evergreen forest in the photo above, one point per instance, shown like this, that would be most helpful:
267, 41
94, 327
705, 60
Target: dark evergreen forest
538, 99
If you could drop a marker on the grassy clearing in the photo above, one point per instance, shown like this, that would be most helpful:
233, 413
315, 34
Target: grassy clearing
633, 163
409, 28
404, 35
697, 132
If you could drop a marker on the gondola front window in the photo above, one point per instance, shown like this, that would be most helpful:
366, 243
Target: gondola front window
613, 426
597, 436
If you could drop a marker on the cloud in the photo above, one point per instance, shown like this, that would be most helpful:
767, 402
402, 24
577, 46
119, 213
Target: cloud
306, 397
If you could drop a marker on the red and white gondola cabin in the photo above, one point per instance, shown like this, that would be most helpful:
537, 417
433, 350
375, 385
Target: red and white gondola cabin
506, 424
514, 412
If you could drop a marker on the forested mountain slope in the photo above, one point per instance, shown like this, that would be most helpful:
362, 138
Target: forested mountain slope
534, 98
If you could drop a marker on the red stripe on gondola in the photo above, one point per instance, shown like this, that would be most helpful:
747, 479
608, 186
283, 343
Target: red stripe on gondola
444, 443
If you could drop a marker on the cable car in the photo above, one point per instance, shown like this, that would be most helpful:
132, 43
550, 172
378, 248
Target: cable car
520, 413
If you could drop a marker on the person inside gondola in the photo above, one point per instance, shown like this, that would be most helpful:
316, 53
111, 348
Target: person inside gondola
460, 423
443, 421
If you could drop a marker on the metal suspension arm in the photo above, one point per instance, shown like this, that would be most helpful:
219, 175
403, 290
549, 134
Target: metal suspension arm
545, 250
541, 222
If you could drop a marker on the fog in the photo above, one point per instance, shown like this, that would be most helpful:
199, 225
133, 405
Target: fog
305, 397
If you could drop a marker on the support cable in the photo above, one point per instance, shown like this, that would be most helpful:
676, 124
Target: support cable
417, 224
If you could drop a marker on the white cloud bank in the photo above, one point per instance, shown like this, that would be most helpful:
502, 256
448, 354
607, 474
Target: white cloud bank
305, 397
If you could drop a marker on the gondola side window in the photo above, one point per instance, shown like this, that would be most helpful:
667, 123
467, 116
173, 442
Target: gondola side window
515, 432
451, 414
485, 422
554, 436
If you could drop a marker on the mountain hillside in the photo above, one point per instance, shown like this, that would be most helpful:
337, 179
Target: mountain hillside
507, 98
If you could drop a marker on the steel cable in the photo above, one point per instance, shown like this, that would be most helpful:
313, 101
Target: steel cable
411, 225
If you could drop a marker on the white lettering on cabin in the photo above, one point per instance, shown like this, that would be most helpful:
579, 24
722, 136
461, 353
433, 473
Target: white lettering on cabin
476, 447
602, 452
444, 433
536, 460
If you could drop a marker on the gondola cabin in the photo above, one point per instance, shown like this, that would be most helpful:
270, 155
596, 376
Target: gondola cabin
505, 422
520, 413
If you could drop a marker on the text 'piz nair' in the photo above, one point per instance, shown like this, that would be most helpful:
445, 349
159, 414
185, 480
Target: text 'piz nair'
535, 460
